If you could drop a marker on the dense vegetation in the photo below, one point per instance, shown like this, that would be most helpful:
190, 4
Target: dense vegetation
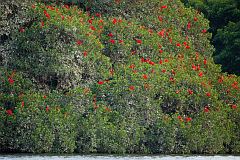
113, 77
224, 17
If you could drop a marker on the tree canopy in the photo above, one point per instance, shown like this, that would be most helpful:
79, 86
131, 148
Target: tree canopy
224, 17
114, 76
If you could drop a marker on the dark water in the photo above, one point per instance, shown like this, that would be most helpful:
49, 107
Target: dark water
109, 157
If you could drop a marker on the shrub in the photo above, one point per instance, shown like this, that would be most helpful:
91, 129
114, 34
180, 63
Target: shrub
106, 131
12, 88
32, 122
209, 133
157, 16
13, 16
64, 48
148, 87
161, 136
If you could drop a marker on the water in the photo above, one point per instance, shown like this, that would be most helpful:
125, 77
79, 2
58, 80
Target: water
109, 157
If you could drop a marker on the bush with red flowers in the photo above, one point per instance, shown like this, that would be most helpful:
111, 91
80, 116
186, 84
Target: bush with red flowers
66, 51
134, 77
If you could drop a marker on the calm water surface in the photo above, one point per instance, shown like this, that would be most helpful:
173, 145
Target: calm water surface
104, 157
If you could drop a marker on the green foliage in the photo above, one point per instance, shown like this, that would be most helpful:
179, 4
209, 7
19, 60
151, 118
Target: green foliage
227, 42
107, 131
12, 87
117, 80
38, 126
219, 12
153, 17
100, 139
234, 145
161, 136
33, 122
12, 17
209, 133
224, 16
65, 55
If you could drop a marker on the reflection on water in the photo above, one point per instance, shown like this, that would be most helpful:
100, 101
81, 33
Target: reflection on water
104, 157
